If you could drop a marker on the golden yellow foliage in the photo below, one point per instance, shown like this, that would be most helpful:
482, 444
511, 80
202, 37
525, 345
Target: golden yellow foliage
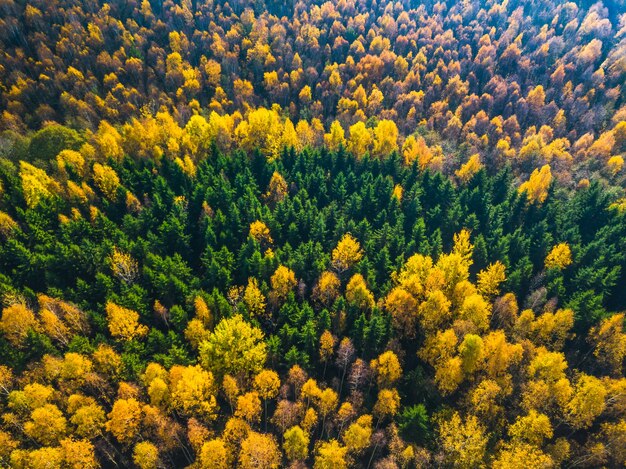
15, 323
106, 179
463, 441
471, 167
347, 253
537, 186
124, 323
559, 257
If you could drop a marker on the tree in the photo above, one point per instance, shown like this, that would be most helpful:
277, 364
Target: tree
331, 455
385, 138
235, 347
267, 384
277, 189
403, 308
124, 420
78, 454
347, 253
335, 138
296, 444
462, 441
327, 288
124, 266
520, 456
489, 280
249, 407
387, 369
609, 341
15, 323
36, 184
214, 455
357, 436
260, 232
387, 404
7, 225
48, 142
259, 451
254, 298
146, 455
537, 186
193, 391
559, 257
532, 429
327, 347
471, 352
283, 281
471, 167
360, 140
587, 403
47, 425
124, 323
358, 294
89, 420
106, 179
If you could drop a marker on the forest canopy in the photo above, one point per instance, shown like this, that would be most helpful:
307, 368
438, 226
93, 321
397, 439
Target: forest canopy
312, 234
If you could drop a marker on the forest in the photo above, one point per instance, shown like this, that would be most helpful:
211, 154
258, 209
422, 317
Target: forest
351, 234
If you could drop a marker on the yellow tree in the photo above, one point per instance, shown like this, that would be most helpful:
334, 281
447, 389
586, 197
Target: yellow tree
609, 341
532, 429
327, 347
106, 179
331, 455
146, 455
587, 403
7, 225
537, 186
471, 167
249, 407
283, 281
522, 456
193, 391
489, 280
15, 323
124, 266
347, 253
259, 451
124, 420
357, 436
385, 138
267, 384
387, 369
358, 294
235, 347
559, 257
277, 189
261, 233
463, 441
335, 138
327, 288
47, 425
254, 298
404, 309
296, 444
124, 323
36, 184
214, 455
360, 139
78, 454
387, 404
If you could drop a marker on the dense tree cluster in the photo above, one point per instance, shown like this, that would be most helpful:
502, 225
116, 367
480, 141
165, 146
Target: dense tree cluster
307, 309
446, 84
328, 235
